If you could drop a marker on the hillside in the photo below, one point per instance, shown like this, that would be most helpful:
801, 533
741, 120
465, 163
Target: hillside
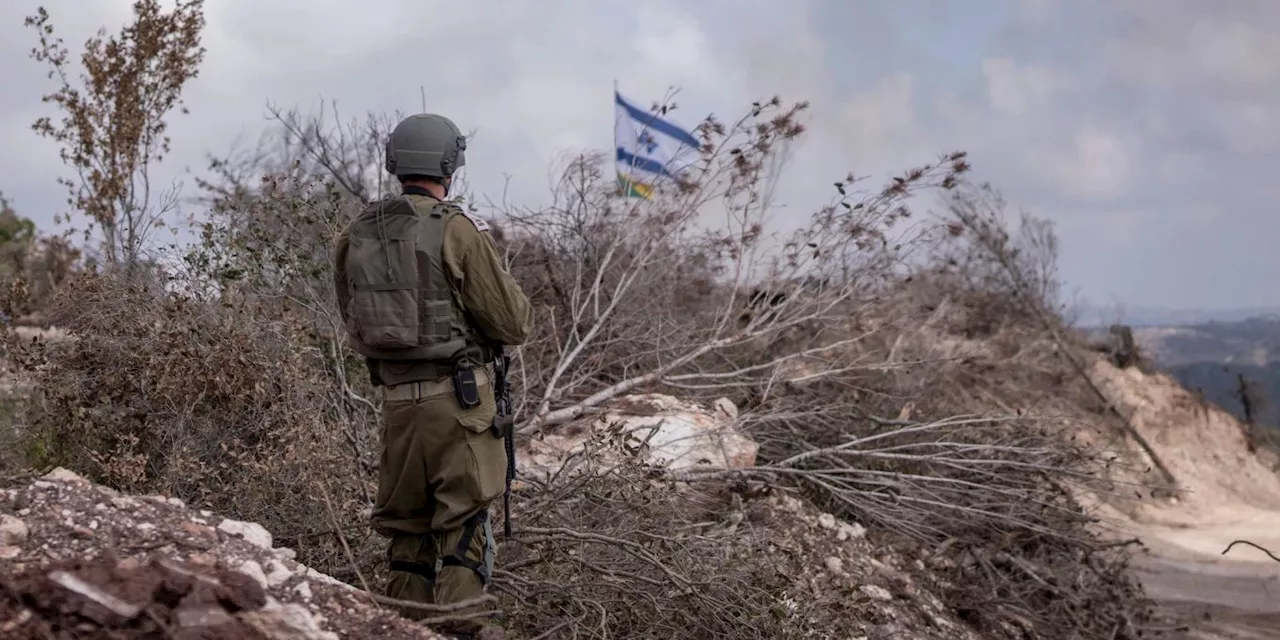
85, 556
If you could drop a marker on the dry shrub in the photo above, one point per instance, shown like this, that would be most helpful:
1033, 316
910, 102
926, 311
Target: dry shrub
985, 500
953, 321
958, 450
220, 381
158, 393
964, 333
32, 265
619, 553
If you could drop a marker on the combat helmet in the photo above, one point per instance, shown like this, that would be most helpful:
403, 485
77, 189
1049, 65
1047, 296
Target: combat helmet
426, 144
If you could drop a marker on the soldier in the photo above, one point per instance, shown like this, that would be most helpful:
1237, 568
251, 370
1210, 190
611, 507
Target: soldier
427, 301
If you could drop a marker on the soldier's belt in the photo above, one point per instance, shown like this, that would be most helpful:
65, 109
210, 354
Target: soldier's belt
413, 391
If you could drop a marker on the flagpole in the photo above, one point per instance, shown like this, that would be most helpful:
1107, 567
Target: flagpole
624, 185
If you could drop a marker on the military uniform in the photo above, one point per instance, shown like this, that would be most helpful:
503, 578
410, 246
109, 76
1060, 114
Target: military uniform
424, 294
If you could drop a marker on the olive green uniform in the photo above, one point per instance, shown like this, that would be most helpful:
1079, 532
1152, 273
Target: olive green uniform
443, 464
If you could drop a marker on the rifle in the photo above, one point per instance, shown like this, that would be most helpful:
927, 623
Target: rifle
504, 422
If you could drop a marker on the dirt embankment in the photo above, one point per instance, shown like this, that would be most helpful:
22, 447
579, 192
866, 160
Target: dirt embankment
1227, 492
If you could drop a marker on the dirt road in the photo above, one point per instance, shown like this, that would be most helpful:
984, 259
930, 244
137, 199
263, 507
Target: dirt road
1237, 601
1215, 597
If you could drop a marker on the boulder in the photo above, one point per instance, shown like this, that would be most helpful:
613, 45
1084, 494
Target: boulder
659, 430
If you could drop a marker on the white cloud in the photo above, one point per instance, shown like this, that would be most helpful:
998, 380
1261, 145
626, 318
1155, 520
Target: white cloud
1176, 43
1037, 10
1249, 126
1098, 165
1020, 90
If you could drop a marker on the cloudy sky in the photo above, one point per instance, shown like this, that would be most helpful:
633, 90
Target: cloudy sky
1145, 129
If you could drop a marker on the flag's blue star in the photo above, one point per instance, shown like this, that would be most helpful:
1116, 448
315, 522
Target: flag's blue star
647, 142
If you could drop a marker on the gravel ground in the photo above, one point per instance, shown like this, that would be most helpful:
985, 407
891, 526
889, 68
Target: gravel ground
80, 560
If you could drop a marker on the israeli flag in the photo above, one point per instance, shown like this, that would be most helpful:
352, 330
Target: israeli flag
649, 149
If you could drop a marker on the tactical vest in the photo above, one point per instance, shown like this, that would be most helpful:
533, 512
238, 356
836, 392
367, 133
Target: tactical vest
401, 307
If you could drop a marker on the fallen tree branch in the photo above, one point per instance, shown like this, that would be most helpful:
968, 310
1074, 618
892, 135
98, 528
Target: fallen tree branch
1255, 546
964, 209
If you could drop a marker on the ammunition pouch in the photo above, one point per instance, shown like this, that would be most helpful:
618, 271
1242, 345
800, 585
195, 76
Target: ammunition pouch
503, 425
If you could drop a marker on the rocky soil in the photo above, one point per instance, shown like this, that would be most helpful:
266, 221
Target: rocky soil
79, 560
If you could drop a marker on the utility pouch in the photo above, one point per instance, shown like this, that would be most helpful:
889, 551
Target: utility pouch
502, 425
465, 387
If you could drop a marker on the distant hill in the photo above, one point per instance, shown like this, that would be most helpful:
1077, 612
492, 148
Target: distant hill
1090, 315
1253, 341
1211, 356
1219, 383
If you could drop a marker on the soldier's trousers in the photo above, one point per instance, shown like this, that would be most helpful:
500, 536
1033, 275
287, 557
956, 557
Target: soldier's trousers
441, 466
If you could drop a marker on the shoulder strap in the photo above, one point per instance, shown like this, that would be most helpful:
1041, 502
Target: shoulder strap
480, 223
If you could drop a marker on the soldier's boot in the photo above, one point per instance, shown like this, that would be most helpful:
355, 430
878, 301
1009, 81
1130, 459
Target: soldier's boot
466, 568
413, 571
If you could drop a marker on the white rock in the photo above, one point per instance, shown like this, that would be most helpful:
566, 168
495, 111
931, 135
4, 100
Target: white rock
303, 590
253, 532
312, 574
827, 521
662, 429
124, 504
201, 616
727, 407
285, 553
13, 532
835, 565
277, 573
63, 475
876, 593
175, 502
850, 531
291, 621
254, 570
